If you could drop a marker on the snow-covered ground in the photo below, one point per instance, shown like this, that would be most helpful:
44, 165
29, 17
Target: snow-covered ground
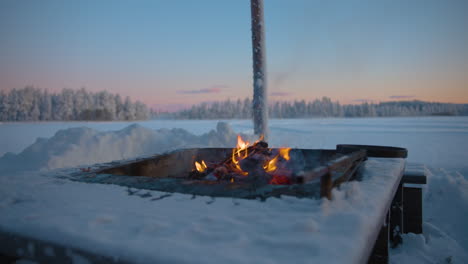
439, 142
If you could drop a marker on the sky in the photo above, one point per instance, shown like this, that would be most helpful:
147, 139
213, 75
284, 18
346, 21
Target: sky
173, 53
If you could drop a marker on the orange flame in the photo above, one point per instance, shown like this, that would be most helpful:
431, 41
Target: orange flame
271, 165
201, 167
235, 160
239, 153
241, 144
284, 152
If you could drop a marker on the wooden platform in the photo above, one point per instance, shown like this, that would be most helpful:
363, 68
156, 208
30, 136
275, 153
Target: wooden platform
112, 224
404, 215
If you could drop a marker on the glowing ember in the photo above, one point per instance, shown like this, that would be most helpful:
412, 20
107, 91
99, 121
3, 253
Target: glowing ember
280, 180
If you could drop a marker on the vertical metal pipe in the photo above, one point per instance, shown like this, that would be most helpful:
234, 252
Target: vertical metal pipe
260, 100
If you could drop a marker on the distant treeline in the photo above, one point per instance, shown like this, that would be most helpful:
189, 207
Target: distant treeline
241, 109
33, 104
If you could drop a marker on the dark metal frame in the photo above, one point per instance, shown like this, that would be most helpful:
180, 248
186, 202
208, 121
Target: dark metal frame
401, 214
324, 170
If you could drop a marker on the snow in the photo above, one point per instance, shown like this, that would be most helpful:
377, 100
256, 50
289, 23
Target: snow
440, 142
435, 246
446, 192
178, 229
243, 230
19, 135
85, 146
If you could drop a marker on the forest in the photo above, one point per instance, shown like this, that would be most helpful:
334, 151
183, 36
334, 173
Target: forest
34, 104
325, 107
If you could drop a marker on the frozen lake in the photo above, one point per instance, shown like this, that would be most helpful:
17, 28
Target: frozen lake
435, 141
439, 142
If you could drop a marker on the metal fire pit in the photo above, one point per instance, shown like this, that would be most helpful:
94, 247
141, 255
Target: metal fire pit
317, 172
400, 210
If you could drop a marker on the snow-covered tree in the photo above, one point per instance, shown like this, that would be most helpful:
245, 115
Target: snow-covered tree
33, 104
324, 107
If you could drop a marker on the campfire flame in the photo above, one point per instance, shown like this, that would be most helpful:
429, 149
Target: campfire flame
239, 153
270, 166
284, 152
201, 167
273, 165
241, 144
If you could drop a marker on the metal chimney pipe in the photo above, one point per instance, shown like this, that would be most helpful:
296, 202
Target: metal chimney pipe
260, 100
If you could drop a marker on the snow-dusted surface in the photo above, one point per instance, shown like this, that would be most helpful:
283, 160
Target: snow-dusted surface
104, 219
85, 146
439, 142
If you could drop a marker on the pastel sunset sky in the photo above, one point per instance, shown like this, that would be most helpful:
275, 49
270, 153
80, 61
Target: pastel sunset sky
171, 53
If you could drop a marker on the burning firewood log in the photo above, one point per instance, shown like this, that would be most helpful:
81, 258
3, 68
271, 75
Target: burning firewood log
256, 164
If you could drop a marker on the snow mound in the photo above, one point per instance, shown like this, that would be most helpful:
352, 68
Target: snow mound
446, 204
445, 214
85, 146
434, 246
